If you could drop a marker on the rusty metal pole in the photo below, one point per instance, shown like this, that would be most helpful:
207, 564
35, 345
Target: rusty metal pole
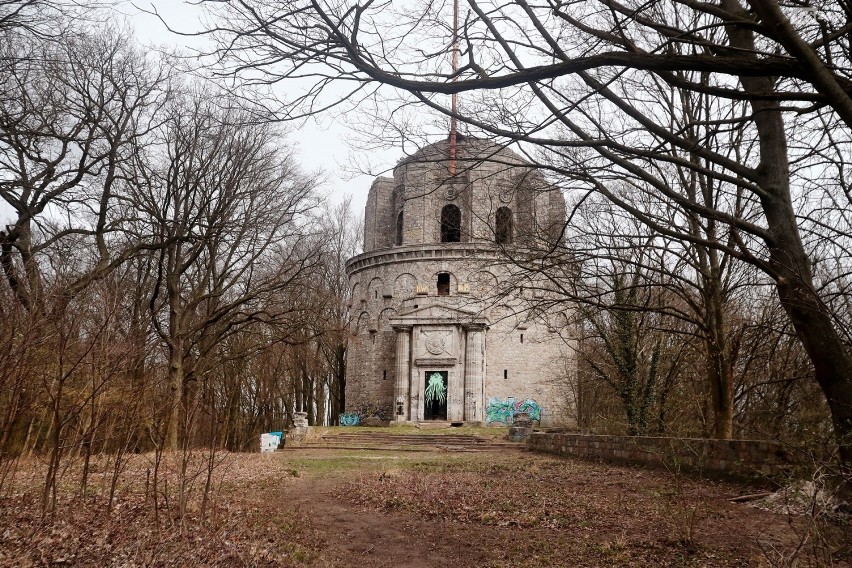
454, 104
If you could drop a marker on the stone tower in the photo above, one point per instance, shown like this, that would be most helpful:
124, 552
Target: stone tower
441, 329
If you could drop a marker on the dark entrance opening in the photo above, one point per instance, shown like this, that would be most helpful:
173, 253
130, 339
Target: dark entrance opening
435, 395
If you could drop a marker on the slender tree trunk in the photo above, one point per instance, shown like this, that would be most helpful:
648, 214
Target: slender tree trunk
308, 391
176, 376
319, 397
338, 391
48, 495
720, 373
9, 420
298, 399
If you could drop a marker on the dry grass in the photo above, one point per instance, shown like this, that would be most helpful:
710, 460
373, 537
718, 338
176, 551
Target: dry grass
236, 529
339, 508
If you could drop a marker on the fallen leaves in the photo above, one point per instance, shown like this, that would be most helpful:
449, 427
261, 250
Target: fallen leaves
627, 516
486, 509
237, 530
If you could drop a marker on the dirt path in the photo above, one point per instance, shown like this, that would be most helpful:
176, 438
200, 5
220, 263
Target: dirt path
393, 514
354, 536
360, 535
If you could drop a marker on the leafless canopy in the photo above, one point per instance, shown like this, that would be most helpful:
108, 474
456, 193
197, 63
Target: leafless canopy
731, 119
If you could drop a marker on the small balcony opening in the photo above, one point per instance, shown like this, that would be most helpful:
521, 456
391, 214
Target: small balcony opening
443, 284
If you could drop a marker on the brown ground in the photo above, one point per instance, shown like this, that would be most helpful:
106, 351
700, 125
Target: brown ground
412, 509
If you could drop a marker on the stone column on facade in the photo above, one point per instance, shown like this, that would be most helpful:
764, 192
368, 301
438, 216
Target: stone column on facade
456, 399
474, 373
403, 372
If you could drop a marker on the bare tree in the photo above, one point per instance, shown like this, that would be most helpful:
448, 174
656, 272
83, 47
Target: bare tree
72, 113
46, 19
229, 208
164, 264
342, 237
626, 343
775, 397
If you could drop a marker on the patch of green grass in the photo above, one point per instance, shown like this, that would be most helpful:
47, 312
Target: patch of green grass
330, 463
446, 463
295, 552
338, 462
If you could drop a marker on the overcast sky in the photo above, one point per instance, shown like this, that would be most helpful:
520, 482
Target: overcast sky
321, 143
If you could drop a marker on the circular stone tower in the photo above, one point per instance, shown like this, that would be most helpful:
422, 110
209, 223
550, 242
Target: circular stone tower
442, 327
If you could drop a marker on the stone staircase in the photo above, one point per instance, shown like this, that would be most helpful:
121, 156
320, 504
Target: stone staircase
373, 440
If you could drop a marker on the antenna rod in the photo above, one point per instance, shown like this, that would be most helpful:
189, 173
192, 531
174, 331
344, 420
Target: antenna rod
454, 96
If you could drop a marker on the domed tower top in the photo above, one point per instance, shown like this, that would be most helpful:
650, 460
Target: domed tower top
495, 196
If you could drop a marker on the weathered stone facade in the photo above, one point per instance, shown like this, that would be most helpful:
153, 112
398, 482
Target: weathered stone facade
433, 298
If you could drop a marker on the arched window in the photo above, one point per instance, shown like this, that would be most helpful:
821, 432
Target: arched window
399, 229
503, 226
450, 224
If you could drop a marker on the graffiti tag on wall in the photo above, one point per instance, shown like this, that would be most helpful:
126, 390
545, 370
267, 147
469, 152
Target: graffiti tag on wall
503, 411
350, 419
436, 390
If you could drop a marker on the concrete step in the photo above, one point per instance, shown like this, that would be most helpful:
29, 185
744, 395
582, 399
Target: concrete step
403, 439
404, 442
374, 448
383, 435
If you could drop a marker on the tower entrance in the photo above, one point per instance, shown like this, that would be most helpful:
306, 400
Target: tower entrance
435, 395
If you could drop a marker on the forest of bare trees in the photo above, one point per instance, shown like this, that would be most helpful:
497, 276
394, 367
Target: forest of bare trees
172, 279
679, 340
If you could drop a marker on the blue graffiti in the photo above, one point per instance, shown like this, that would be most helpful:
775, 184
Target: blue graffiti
350, 419
503, 411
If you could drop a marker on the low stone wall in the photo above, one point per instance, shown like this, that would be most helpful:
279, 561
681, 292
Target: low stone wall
733, 458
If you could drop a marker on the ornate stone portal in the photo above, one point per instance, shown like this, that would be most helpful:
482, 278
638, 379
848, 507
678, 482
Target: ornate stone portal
439, 339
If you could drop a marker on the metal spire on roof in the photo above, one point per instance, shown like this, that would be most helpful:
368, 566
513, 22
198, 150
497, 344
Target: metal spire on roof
453, 106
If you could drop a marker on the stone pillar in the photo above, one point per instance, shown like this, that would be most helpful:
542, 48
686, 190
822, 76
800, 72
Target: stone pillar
403, 372
455, 397
474, 373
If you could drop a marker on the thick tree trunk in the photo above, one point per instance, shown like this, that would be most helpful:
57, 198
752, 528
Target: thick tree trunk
720, 373
794, 279
812, 322
720, 380
787, 256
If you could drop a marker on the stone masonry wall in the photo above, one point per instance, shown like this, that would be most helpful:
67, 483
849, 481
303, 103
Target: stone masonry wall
379, 219
524, 358
735, 458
